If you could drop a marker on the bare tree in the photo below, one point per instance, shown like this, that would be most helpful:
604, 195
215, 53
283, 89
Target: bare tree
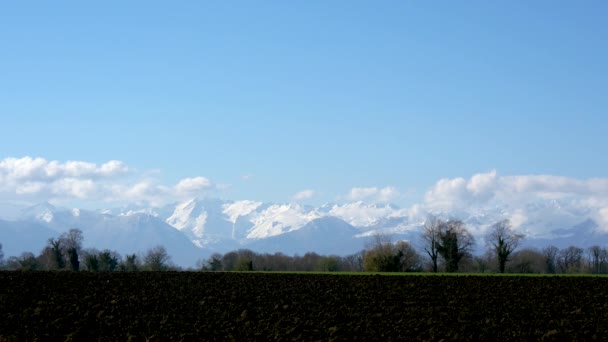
455, 242
503, 240
354, 262
598, 258
381, 255
409, 260
130, 264
71, 244
108, 260
527, 260
550, 254
157, 259
569, 260
26, 262
91, 261
55, 248
430, 235
72, 239
215, 262
230, 261
328, 264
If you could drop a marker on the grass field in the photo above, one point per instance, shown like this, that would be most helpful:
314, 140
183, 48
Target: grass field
286, 306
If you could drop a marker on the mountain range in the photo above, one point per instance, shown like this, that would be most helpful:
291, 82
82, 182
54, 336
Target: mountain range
194, 229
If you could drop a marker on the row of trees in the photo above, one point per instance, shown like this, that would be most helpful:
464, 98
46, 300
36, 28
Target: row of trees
447, 246
451, 241
386, 256
66, 253
248, 260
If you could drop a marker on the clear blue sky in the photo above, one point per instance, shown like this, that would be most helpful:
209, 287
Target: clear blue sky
321, 95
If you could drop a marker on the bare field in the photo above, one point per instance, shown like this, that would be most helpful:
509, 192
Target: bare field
261, 306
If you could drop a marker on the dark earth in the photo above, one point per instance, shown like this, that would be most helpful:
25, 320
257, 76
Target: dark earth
188, 306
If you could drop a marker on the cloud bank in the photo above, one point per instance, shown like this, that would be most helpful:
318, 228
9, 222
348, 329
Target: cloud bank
374, 194
488, 188
38, 179
525, 199
304, 194
562, 198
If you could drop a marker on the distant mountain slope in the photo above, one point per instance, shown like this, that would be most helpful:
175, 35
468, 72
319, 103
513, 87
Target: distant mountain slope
135, 232
21, 236
327, 235
194, 229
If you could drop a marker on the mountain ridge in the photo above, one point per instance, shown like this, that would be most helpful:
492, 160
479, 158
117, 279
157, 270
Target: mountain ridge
193, 229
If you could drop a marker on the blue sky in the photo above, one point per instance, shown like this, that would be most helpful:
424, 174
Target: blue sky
267, 99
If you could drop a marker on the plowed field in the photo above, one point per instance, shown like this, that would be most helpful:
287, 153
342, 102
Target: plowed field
258, 306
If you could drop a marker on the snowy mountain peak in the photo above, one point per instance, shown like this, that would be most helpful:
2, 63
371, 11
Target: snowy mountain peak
41, 212
279, 219
237, 209
182, 215
187, 205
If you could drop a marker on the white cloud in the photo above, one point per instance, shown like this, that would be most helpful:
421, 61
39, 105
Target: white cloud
72, 187
357, 194
388, 194
189, 186
374, 194
37, 179
246, 178
485, 187
305, 194
360, 214
573, 199
39, 169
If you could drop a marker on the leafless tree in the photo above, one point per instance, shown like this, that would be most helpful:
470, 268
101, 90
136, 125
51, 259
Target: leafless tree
71, 245
503, 240
25, 262
382, 255
215, 262
72, 239
550, 254
569, 260
430, 236
157, 259
409, 260
130, 264
455, 242
108, 260
354, 262
55, 249
230, 261
527, 260
598, 258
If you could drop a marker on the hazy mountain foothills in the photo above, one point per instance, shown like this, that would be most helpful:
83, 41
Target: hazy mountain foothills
194, 229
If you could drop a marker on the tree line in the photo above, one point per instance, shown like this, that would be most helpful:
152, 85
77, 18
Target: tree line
447, 246
66, 252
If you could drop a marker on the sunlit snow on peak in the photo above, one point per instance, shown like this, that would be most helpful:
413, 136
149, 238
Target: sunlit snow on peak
279, 219
182, 215
240, 208
46, 216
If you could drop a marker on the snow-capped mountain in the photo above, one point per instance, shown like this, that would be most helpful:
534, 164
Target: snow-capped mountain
131, 232
325, 235
194, 229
